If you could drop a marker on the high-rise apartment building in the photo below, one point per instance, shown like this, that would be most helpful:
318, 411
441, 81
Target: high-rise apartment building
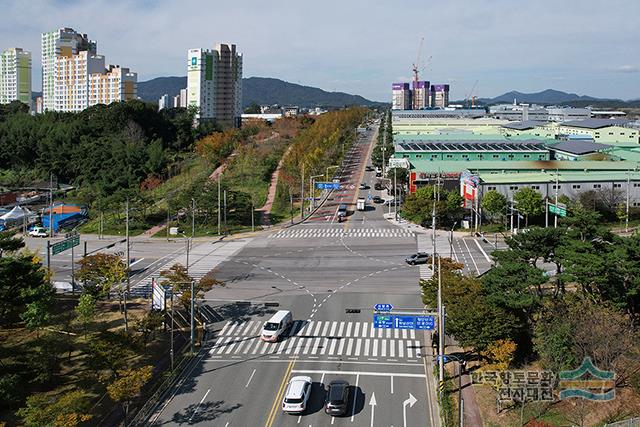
439, 96
15, 76
75, 77
420, 96
401, 96
163, 102
214, 84
180, 100
63, 42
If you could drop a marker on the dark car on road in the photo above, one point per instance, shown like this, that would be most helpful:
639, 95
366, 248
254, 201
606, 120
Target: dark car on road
378, 186
337, 398
419, 258
377, 199
369, 169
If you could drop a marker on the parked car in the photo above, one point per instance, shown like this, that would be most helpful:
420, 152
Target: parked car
297, 394
369, 168
364, 186
337, 398
418, 258
377, 199
39, 232
378, 186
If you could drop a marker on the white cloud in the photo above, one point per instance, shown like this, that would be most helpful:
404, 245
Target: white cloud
627, 69
355, 45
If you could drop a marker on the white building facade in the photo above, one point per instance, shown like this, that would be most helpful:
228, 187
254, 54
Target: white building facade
214, 84
15, 76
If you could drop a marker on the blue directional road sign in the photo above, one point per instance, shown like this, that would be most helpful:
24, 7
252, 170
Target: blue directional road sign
383, 321
328, 185
425, 322
404, 322
383, 307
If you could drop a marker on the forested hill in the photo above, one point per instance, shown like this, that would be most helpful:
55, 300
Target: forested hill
262, 91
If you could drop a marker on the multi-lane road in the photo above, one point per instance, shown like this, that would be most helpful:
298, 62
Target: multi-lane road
317, 270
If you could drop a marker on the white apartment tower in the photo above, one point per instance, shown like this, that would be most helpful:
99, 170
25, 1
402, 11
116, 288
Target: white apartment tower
62, 42
214, 84
76, 77
15, 76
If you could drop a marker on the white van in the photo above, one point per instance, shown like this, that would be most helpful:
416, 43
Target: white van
276, 326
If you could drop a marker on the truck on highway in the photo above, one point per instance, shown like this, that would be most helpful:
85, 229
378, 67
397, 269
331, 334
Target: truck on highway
361, 203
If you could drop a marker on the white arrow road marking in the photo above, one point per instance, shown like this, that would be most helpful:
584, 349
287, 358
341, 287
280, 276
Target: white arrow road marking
373, 404
410, 401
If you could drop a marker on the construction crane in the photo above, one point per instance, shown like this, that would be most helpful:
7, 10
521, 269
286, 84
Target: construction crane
471, 96
416, 69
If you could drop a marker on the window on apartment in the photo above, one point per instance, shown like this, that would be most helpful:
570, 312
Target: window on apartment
635, 184
555, 187
617, 185
597, 186
490, 188
535, 187
513, 187
575, 186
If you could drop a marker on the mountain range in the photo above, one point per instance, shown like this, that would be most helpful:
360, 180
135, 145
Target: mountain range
262, 91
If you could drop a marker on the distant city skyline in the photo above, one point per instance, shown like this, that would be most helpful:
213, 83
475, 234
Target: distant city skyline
360, 48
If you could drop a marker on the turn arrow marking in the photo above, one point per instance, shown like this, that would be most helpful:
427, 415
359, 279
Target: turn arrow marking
373, 404
410, 401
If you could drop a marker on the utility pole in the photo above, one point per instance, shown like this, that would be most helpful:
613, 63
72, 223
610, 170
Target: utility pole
511, 206
555, 217
291, 201
126, 225
395, 195
440, 326
51, 204
253, 209
193, 324
193, 218
626, 218
433, 236
188, 248
302, 194
172, 326
226, 230
546, 213
219, 179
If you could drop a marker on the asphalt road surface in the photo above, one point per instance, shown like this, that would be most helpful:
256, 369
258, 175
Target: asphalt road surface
317, 270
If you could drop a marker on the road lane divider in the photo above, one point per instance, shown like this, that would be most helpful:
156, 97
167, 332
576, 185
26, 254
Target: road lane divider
276, 402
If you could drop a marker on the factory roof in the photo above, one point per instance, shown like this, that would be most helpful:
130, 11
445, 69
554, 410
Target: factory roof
630, 155
550, 177
594, 123
579, 147
481, 145
463, 135
524, 125
426, 165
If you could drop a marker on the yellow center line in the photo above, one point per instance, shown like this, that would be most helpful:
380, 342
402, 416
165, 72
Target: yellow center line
276, 403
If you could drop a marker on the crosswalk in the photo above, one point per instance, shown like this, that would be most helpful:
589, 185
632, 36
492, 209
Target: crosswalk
313, 339
202, 259
425, 244
307, 233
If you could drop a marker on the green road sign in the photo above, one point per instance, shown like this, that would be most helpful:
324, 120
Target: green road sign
65, 244
558, 210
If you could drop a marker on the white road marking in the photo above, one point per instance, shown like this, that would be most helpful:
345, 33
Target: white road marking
135, 262
482, 250
195, 411
251, 377
472, 259
391, 384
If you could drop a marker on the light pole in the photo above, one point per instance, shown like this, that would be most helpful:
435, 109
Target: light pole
313, 190
383, 149
626, 218
327, 172
451, 240
188, 245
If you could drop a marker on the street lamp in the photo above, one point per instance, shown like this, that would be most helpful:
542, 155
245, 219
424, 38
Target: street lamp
451, 240
312, 181
327, 172
188, 245
383, 149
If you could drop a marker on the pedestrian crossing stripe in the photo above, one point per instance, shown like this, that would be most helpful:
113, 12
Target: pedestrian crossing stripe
330, 338
305, 233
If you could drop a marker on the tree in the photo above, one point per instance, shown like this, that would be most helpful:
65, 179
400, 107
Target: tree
494, 203
108, 352
65, 410
180, 281
253, 108
148, 323
471, 319
24, 289
9, 243
553, 338
529, 202
499, 354
86, 310
127, 386
104, 273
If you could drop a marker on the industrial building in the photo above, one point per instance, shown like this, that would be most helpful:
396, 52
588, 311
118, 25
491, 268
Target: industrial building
15, 76
214, 84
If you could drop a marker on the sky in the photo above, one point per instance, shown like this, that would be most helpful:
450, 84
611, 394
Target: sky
589, 47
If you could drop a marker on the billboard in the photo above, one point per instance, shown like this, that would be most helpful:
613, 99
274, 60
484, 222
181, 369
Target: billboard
469, 184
